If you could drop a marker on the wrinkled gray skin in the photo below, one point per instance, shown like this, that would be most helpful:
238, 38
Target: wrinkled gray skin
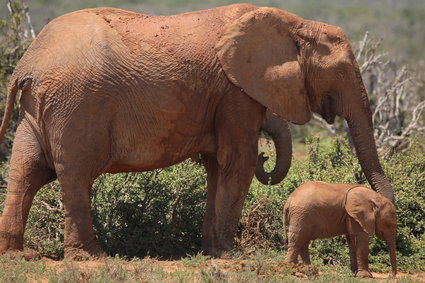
317, 210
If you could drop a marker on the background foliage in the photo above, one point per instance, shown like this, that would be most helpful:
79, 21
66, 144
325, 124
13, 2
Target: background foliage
160, 213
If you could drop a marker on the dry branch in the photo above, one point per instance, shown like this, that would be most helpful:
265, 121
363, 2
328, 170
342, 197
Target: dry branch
393, 91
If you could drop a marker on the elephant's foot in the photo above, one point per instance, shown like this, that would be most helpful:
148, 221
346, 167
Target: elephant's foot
27, 254
221, 250
10, 242
363, 274
90, 252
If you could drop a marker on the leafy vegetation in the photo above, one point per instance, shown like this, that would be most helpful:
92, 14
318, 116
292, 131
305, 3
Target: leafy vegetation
159, 213
13, 43
262, 267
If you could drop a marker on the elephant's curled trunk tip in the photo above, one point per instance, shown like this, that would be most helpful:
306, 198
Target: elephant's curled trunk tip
279, 132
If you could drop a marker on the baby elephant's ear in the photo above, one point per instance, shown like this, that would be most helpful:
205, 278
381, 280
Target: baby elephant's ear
258, 55
362, 206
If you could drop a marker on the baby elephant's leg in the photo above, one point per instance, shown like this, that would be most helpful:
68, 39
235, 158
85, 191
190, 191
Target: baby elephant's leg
297, 246
353, 259
305, 256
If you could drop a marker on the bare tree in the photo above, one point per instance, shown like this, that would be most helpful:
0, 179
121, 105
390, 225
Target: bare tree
397, 99
20, 7
395, 94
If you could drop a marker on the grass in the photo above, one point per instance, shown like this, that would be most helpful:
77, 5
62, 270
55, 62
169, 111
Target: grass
261, 267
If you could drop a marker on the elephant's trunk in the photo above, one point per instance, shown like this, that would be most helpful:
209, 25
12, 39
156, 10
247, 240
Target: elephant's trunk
279, 132
393, 259
361, 128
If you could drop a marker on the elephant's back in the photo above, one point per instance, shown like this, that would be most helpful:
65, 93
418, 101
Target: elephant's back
85, 43
319, 208
67, 41
188, 36
321, 193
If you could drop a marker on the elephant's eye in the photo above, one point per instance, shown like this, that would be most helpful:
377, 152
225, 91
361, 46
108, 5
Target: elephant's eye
340, 75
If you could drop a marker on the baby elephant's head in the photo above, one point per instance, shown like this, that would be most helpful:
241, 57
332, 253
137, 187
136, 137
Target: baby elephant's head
376, 215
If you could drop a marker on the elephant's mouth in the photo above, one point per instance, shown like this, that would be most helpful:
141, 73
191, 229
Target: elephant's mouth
329, 118
327, 111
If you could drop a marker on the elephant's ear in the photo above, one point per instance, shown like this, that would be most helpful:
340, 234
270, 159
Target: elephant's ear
259, 56
362, 206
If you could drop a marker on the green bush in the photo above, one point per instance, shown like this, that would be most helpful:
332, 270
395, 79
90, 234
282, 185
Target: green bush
157, 213
160, 213
45, 228
13, 44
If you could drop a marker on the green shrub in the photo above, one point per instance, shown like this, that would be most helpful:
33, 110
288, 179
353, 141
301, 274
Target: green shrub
160, 212
45, 229
157, 213
13, 44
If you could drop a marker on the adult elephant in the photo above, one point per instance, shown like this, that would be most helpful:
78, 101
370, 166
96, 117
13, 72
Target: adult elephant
108, 90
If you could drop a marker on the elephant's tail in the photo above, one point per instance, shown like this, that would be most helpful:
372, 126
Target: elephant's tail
285, 220
14, 85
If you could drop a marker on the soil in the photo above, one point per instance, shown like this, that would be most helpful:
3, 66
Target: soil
224, 264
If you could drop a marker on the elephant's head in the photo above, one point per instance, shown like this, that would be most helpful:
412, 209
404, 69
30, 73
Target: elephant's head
376, 215
295, 67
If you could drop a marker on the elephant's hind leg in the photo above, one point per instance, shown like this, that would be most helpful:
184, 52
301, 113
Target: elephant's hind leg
28, 173
293, 247
304, 253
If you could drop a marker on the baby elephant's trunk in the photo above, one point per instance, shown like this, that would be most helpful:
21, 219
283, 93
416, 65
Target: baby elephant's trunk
392, 247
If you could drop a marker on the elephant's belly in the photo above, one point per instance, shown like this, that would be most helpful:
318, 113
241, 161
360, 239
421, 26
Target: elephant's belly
145, 160
157, 150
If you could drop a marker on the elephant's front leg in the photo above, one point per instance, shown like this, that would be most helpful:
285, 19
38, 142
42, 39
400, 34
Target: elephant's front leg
359, 243
76, 173
353, 258
225, 202
362, 255
208, 240
80, 241
230, 171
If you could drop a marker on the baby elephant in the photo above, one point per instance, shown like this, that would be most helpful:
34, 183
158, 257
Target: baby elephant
321, 210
